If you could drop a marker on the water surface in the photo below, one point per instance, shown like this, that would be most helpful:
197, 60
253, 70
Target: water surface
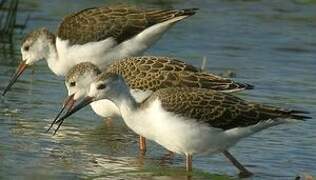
270, 44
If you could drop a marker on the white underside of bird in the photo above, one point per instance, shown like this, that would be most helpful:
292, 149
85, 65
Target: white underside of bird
183, 135
105, 108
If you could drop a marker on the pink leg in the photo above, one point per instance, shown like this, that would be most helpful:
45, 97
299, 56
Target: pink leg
142, 144
188, 162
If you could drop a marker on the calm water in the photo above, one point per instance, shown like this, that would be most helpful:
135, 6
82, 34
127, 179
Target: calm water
269, 44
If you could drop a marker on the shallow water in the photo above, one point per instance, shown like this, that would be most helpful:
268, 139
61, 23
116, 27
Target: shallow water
271, 45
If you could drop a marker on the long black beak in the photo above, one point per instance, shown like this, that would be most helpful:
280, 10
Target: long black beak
68, 103
86, 101
15, 76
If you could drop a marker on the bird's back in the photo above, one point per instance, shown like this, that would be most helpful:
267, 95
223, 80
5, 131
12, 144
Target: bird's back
120, 22
153, 73
220, 110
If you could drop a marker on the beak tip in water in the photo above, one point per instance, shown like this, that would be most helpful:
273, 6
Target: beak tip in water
15, 76
4, 92
87, 100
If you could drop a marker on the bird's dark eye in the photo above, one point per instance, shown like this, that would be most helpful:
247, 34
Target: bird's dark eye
72, 84
26, 48
101, 86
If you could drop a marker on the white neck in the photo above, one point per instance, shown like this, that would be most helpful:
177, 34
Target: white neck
126, 103
129, 110
53, 61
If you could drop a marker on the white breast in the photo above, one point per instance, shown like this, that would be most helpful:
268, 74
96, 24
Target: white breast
105, 108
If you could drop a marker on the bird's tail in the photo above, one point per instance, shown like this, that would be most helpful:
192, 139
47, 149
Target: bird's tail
288, 115
173, 15
278, 116
187, 12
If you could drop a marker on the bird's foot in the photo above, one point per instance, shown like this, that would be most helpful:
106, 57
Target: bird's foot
245, 174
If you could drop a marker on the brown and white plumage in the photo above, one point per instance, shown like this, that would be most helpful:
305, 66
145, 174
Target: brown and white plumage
144, 75
99, 35
188, 121
120, 22
152, 72
219, 110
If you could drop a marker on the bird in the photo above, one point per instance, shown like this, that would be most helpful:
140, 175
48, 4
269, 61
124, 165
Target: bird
100, 34
144, 75
187, 120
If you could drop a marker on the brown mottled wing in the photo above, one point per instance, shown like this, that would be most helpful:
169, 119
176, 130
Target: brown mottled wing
154, 73
217, 109
119, 22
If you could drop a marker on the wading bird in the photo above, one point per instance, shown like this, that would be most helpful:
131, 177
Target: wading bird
144, 75
100, 34
188, 121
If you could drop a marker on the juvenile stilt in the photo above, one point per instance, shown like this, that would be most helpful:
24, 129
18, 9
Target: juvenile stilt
169, 116
142, 144
243, 171
99, 35
188, 162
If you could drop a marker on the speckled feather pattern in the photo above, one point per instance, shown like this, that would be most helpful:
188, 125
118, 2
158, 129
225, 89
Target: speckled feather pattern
151, 72
34, 35
120, 22
80, 69
220, 110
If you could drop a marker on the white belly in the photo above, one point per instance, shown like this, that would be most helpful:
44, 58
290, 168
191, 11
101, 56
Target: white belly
105, 108
183, 136
186, 136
